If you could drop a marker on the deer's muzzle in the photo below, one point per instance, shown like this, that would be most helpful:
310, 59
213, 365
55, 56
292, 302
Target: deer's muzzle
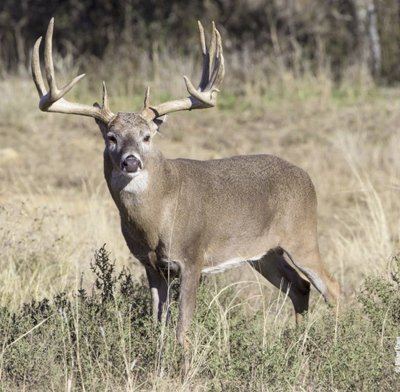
131, 164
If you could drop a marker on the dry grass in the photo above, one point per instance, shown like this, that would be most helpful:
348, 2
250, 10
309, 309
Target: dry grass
56, 211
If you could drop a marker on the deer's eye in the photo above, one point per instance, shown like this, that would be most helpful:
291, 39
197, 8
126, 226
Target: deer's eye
146, 138
111, 139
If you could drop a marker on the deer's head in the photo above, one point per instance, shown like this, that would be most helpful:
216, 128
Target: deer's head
128, 141
128, 136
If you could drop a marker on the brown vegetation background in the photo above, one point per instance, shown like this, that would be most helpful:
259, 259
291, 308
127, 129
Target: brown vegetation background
314, 82
303, 82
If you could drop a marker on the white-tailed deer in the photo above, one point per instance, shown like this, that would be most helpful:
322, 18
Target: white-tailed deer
183, 217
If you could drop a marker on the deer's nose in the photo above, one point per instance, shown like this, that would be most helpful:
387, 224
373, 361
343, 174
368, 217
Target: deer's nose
131, 164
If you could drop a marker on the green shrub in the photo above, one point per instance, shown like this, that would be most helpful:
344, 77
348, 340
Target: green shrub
105, 340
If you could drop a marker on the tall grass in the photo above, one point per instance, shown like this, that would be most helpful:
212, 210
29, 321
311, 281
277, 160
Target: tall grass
55, 211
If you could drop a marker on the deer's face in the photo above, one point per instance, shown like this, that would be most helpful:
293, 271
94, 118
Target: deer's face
128, 141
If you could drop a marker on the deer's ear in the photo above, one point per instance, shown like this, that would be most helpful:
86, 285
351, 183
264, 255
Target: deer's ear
102, 126
157, 122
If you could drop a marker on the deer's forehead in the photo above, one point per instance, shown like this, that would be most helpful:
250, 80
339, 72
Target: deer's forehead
129, 123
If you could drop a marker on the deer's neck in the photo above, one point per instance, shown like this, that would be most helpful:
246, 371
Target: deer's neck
143, 199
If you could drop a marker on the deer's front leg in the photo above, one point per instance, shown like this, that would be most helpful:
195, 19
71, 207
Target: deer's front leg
160, 293
190, 277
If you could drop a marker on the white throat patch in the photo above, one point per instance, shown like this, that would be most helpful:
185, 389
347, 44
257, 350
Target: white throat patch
131, 183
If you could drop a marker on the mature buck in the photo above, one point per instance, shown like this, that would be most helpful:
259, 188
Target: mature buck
183, 217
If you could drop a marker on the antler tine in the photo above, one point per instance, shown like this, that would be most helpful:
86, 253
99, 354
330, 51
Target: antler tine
202, 38
147, 98
48, 58
53, 101
206, 59
105, 109
218, 71
205, 96
36, 72
213, 46
221, 70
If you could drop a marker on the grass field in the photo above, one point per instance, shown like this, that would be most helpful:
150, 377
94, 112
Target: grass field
56, 212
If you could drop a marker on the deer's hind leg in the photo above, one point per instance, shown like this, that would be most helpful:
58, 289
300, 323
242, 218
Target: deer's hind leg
282, 275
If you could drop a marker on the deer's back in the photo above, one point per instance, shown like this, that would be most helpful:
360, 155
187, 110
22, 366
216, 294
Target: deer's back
244, 178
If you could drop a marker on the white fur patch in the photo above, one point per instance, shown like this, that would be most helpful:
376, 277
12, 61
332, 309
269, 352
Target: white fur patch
232, 263
131, 183
311, 275
315, 280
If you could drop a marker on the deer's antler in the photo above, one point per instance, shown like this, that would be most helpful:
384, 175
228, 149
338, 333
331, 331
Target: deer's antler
205, 96
53, 100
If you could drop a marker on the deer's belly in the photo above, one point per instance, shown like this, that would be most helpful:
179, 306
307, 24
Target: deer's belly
231, 263
235, 252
